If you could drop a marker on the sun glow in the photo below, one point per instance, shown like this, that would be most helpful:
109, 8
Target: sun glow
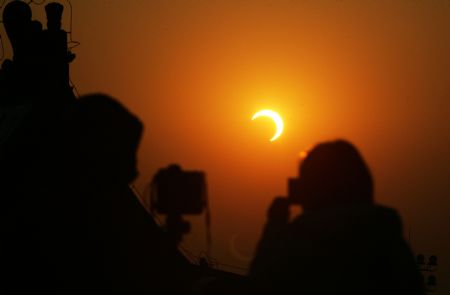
276, 118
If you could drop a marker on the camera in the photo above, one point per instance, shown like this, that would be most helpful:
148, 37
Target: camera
175, 191
294, 190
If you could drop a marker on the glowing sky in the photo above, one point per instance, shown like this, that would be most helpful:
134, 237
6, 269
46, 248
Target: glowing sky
374, 72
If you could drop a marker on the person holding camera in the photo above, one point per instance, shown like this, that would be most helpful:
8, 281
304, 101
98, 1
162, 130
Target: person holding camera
342, 243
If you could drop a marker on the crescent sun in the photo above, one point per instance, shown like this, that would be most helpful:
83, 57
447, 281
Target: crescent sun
276, 118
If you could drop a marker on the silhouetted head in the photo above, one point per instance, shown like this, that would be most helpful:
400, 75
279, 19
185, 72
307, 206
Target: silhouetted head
16, 18
54, 13
334, 174
110, 136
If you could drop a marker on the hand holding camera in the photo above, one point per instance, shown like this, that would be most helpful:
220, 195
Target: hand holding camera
279, 212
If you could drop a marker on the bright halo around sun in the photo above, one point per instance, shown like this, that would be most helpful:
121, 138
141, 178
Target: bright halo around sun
276, 118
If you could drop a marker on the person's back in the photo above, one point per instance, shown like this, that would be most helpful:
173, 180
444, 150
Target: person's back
342, 243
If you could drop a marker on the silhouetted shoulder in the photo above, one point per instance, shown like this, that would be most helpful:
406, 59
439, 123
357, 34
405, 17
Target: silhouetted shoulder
388, 218
358, 217
323, 250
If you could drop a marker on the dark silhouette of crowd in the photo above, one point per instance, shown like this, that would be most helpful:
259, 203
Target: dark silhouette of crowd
70, 223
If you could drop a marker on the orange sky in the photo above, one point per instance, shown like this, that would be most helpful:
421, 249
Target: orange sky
374, 72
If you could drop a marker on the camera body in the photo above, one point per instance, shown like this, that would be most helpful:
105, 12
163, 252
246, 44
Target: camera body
175, 191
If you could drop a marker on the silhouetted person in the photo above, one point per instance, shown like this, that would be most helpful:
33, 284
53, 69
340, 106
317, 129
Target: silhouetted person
342, 243
55, 50
127, 252
70, 222
19, 27
25, 37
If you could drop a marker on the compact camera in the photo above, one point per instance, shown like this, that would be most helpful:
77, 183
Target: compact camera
175, 191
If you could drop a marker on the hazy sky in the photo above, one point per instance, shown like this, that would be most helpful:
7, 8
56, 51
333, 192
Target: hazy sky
374, 72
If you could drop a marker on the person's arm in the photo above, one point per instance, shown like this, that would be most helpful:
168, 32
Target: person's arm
275, 228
